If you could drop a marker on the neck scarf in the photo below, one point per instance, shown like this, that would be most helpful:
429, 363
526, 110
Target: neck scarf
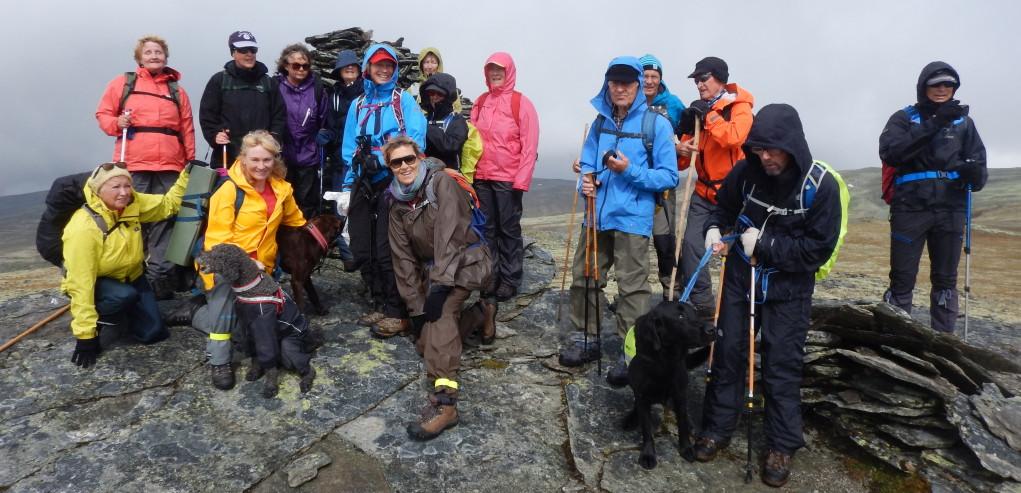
406, 194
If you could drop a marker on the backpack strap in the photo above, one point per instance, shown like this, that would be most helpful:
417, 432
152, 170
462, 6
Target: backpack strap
130, 78
395, 103
100, 222
649, 134
515, 104
129, 86
230, 83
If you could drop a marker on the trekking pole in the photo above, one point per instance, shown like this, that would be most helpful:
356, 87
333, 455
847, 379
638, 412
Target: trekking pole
587, 223
322, 162
750, 398
967, 264
570, 228
716, 322
599, 289
38, 325
124, 137
682, 213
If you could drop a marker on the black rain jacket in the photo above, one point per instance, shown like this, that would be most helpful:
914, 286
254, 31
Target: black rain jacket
447, 131
259, 106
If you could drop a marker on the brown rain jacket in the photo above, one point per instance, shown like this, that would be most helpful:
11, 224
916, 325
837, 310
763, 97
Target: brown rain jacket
433, 242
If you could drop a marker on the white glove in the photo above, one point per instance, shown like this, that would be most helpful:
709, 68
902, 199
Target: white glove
712, 237
748, 240
343, 200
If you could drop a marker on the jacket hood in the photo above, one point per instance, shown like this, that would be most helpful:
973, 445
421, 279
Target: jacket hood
442, 82
168, 74
929, 71
255, 73
371, 87
778, 126
504, 60
421, 56
602, 102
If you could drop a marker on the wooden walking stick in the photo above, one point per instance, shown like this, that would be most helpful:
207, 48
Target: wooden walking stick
716, 322
570, 229
40, 324
682, 213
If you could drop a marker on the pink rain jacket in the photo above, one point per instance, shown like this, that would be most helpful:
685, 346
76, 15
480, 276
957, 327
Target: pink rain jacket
509, 147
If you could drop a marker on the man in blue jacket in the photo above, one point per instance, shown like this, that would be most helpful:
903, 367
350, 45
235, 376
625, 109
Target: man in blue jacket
661, 100
624, 180
383, 111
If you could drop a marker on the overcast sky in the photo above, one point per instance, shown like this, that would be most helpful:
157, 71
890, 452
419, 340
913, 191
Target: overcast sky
846, 66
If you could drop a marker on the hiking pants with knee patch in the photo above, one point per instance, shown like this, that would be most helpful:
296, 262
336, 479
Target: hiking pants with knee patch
156, 235
440, 341
783, 326
692, 251
942, 232
132, 304
628, 254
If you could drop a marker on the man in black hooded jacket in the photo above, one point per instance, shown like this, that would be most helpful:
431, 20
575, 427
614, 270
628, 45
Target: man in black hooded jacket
447, 131
937, 154
240, 98
787, 244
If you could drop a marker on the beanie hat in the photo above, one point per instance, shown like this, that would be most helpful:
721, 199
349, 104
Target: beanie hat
711, 65
650, 62
104, 172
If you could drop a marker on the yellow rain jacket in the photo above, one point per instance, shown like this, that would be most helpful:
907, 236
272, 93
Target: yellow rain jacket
88, 256
250, 229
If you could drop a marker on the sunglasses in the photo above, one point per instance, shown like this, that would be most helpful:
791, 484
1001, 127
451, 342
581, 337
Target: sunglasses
249, 50
397, 162
109, 166
702, 78
949, 85
301, 66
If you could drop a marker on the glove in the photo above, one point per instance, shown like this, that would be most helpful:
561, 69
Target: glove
343, 200
699, 107
748, 240
971, 174
712, 237
85, 352
949, 111
434, 302
417, 323
324, 137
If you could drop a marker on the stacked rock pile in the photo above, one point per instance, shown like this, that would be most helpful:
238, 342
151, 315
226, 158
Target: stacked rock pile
327, 46
920, 400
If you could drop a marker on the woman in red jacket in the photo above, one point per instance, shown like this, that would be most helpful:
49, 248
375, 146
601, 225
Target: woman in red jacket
156, 113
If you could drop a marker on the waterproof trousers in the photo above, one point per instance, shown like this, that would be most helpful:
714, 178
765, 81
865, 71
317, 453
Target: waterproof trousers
368, 225
276, 336
783, 326
131, 304
156, 235
942, 231
440, 341
305, 182
664, 240
502, 206
691, 253
217, 318
628, 254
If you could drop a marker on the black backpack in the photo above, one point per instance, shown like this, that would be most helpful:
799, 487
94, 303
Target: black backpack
66, 196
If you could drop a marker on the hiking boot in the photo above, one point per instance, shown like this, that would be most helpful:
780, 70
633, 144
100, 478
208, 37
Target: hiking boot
255, 372
777, 469
616, 376
183, 314
389, 327
370, 319
223, 376
579, 353
706, 448
488, 322
271, 385
505, 292
439, 415
163, 288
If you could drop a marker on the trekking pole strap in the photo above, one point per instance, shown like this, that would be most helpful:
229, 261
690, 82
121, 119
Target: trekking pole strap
701, 265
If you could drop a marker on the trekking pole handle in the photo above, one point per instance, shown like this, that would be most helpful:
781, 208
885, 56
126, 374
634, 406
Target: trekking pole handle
124, 135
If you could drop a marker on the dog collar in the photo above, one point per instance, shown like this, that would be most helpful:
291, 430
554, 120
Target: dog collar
318, 235
250, 285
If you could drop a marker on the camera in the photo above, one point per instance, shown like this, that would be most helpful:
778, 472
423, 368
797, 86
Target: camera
364, 159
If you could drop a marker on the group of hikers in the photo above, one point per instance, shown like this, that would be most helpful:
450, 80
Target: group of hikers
433, 202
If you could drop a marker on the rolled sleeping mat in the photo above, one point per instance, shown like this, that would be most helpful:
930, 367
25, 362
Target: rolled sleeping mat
190, 219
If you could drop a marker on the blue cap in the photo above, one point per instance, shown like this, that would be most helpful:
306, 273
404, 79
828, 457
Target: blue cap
345, 58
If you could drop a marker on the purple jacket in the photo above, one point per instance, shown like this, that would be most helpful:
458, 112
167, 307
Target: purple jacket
306, 114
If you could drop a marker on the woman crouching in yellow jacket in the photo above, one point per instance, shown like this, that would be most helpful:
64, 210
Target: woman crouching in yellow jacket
268, 203
103, 259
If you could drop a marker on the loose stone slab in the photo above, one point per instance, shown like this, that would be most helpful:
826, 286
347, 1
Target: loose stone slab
945, 389
1001, 415
305, 468
916, 363
992, 451
920, 437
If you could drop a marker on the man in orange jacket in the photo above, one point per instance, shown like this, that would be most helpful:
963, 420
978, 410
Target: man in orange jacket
725, 112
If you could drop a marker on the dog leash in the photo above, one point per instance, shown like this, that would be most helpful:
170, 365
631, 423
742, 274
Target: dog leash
701, 265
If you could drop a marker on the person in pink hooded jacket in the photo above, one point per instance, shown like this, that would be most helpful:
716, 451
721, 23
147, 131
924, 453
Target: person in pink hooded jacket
509, 127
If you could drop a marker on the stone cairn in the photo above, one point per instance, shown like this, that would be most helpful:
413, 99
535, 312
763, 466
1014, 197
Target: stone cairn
920, 400
326, 46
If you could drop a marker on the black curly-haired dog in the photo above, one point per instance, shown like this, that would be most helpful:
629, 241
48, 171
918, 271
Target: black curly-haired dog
658, 373
278, 333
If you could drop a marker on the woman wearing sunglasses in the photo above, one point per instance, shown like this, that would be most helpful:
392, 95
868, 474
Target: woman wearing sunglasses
103, 259
306, 101
439, 257
155, 111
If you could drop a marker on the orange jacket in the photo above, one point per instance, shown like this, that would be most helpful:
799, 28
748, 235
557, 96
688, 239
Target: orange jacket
150, 151
719, 146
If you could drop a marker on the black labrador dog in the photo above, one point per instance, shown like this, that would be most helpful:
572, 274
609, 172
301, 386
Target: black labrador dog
658, 373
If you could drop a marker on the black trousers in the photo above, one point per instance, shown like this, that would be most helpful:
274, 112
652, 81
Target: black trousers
910, 232
502, 206
783, 325
305, 181
276, 339
368, 224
